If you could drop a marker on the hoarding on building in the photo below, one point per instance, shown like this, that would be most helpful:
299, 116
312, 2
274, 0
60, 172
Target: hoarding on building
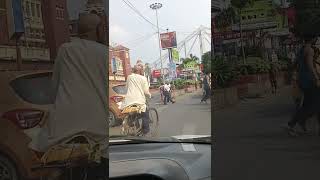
168, 40
114, 65
156, 73
175, 55
260, 15
172, 70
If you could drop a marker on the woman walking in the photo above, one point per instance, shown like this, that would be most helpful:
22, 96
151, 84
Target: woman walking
206, 88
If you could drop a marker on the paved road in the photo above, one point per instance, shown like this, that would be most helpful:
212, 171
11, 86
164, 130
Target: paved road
251, 145
186, 116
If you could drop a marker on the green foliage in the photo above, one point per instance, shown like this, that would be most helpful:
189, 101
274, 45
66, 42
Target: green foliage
255, 65
240, 4
223, 72
206, 61
225, 19
179, 83
188, 60
307, 17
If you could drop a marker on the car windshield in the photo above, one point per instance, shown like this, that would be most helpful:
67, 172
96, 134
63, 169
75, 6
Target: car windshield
180, 104
35, 88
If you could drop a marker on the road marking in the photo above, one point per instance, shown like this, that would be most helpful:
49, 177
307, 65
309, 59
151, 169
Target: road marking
188, 147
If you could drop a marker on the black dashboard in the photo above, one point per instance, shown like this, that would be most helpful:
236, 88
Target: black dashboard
160, 161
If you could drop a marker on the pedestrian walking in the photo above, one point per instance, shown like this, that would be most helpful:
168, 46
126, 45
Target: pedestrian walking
166, 92
172, 92
273, 78
206, 88
309, 83
162, 92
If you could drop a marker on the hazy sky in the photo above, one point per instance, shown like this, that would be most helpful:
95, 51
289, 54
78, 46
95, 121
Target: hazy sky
129, 29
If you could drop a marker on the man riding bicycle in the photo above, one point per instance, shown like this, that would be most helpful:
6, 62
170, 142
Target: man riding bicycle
137, 90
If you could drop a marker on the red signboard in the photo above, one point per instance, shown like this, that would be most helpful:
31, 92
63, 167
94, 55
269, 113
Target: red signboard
156, 73
168, 40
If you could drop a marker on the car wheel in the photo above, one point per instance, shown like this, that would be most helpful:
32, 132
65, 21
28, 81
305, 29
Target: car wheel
8, 170
112, 119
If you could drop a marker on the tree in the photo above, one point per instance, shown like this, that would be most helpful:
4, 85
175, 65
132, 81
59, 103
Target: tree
188, 60
225, 19
206, 61
307, 17
239, 5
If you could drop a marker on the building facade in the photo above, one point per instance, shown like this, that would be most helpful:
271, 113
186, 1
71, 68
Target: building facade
56, 20
33, 44
120, 54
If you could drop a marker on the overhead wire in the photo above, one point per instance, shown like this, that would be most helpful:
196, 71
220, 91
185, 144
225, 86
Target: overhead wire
196, 37
131, 6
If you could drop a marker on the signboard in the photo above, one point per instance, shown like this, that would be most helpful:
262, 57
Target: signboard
175, 55
172, 70
114, 65
117, 78
147, 70
168, 40
15, 18
191, 65
156, 73
119, 66
260, 15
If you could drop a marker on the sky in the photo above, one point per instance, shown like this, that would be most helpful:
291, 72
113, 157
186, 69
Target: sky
129, 29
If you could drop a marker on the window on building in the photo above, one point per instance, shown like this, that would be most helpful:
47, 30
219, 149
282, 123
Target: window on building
38, 11
33, 9
59, 13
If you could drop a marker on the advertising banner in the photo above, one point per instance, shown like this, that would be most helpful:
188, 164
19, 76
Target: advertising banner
156, 73
114, 65
190, 65
175, 55
168, 40
119, 66
172, 70
260, 15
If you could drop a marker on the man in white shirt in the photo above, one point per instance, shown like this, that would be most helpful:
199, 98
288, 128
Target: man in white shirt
166, 93
79, 86
137, 90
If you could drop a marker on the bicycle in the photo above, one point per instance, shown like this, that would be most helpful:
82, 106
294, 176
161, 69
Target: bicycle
132, 122
78, 157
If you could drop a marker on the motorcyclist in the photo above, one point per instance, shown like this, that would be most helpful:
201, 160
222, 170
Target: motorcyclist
137, 91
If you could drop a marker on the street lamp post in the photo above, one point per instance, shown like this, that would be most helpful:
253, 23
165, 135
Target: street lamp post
156, 6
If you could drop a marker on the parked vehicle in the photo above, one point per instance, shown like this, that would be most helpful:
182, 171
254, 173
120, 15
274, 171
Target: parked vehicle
24, 102
117, 93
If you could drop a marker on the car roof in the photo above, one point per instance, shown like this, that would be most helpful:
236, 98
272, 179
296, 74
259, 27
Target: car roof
7, 76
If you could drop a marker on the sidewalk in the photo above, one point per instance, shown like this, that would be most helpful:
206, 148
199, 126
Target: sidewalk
251, 145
